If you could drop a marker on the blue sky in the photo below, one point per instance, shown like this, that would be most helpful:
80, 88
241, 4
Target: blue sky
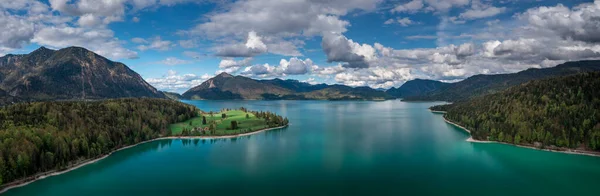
177, 44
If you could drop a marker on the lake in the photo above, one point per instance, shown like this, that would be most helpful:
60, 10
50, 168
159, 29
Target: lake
331, 148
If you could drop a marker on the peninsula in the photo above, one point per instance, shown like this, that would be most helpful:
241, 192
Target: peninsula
49, 138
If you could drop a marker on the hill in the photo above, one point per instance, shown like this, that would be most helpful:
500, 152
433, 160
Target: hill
561, 112
416, 87
226, 86
172, 95
69, 73
485, 84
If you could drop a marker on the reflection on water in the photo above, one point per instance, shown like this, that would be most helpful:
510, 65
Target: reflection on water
331, 148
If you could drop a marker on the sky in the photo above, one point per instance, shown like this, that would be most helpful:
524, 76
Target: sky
178, 44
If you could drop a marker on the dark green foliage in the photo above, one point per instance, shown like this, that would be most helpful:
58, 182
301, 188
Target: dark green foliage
442, 108
234, 124
272, 119
479, 85
247, 116
203, 120
38, 137
223, 115
416, 87
562, 112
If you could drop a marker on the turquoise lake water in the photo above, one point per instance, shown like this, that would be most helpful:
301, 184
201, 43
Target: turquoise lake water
331, 148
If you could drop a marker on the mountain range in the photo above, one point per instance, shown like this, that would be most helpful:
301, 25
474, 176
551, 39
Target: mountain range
479, 85
227, 86
76, 73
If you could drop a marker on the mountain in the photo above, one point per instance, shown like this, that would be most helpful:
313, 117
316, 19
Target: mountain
560, 112
226, 86
485, 84
172, 95
69, 73
295, 85
416, 87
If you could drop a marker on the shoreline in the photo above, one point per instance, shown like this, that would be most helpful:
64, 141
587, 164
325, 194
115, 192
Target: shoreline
566, 151
437, 111
40, 176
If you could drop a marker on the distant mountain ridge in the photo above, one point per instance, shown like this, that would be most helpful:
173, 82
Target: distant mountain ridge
227, 86
479, 85
416, 87
69, 73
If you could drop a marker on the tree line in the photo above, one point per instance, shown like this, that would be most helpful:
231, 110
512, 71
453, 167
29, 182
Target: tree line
559, 112
44, 136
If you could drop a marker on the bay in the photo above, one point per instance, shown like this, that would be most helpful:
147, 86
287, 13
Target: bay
331, 148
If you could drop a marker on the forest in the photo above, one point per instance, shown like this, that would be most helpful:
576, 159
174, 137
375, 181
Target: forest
45, 136
561, 112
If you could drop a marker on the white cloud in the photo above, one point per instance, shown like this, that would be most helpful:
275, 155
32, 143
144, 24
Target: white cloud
101, 41
473, 14
293, 66
230, 65
135, 19
174, 82
581, 23
172, 61
252, 47
402, 21
156, 43
410, 7
338, 48
15, 32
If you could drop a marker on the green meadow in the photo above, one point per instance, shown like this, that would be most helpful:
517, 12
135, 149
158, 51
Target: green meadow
245, 123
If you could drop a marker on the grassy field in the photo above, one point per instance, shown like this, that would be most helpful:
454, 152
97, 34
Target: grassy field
223, 125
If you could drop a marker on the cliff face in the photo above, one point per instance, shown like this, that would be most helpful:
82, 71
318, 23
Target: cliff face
69, 73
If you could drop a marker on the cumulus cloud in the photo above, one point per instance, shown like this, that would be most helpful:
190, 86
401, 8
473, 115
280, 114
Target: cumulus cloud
174, 82
231, 65
253, 46
582, 23
338, 48
15, 32
293, 66
278, 24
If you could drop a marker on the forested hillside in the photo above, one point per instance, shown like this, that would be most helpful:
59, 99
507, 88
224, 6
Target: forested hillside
38, 137
561, 112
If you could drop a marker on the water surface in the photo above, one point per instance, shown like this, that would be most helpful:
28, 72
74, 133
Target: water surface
331, 148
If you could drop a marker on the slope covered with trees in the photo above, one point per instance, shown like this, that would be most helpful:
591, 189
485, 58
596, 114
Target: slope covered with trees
561, 112
44, 136
416, 87
479, 85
